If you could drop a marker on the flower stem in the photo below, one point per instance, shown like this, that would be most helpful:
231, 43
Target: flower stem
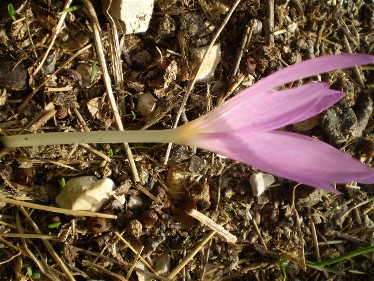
131, 136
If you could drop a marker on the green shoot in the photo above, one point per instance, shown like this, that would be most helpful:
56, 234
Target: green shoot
72, 9
282, 263
322, 264
33, 275
133, 116
141, 147
62, 183
54, 225
93, 71
11, 11
111, 153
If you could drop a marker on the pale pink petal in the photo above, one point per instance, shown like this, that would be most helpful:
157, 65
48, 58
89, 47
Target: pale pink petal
310, 68
259, 107
265, 111
292, 156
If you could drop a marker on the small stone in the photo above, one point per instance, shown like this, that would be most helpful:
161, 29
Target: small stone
135, 228
291, 28
197, 164
146, 104
149, 218
339, 122
256, 26
132, 16
135, 202
85, 193
307, 196
261, 182
162, 264
208, 68
307, 124
13, 75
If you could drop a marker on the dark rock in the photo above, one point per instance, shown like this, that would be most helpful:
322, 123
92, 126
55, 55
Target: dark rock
13, 75
340, 122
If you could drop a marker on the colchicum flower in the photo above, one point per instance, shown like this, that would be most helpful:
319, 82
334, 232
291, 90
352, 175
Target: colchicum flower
243, 128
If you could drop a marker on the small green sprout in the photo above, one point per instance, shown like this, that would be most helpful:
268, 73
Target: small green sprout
54, 225
72, 9
322, 264
93, 71
11, 11
141, 147
282, 263
62, 183
111, 153
33, 275
133, 116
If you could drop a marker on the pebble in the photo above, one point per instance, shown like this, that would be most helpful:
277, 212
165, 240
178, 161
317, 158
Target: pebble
132, 15
13, 75
85, 193
146, 104
162, 264
135, 202
339, 122
209, 66
260, 182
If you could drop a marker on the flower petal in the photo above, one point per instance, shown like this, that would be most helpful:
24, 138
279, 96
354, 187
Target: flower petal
265, 111
289, 155
310, 68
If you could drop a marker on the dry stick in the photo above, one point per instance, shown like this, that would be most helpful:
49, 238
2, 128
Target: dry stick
42, 264
270, 22
107, 82
246, 38
56, 210
216, 209
212, 224
192, 82
102, 269
191, 255
29, 97
48, 245
54, 36
115, 50
355, 69
134, 251
314, 234
31, 236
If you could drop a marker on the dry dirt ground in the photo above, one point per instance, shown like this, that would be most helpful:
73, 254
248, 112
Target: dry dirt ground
278, 233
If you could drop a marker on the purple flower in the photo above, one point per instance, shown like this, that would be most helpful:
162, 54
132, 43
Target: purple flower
243, 128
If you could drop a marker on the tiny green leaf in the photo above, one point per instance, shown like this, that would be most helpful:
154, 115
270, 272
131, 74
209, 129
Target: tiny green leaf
36, 275
54, 225
72, 9
133, 116
29, 271
111, 153
93, 71
62, 183
321, 265
11, 11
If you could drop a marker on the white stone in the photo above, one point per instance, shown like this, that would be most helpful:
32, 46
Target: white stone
132, 15
260, 182
209, 66
146, 104
85, 193
135, 202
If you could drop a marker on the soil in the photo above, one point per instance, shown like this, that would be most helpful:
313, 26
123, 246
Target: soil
276, 232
